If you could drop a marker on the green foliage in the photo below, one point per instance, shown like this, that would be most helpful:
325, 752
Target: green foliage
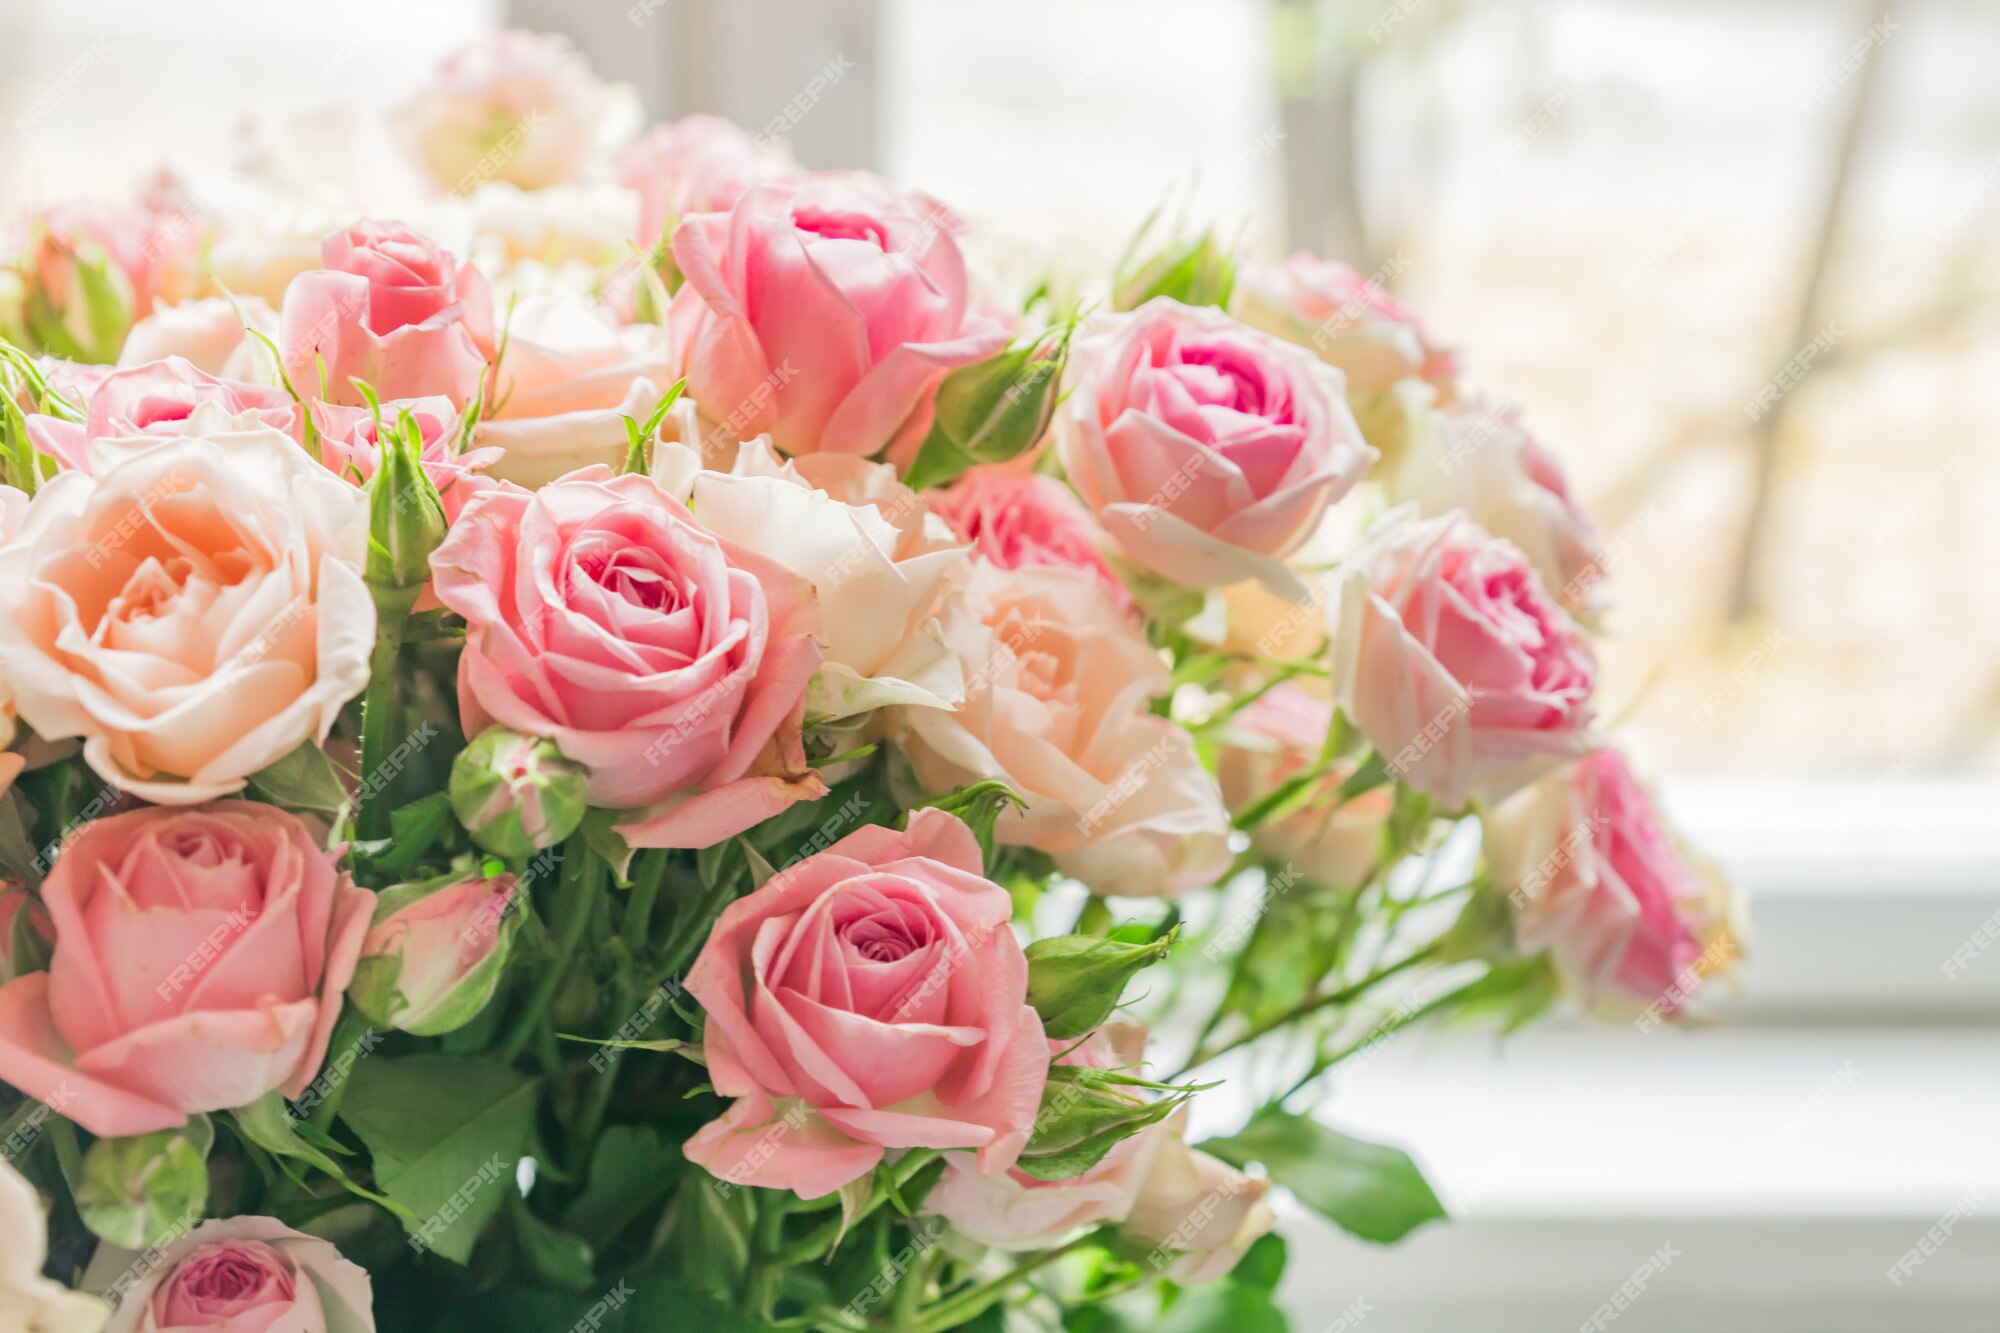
1367, 1189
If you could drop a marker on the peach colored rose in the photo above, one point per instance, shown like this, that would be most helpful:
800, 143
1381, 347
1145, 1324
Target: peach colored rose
1597, 881
391, 308
1454, 661
870, 997
192, 607
1013, 1210
244, 1275
1347, 320
1017, 518
567, 380
697, 164
1208, 450
1329, 842
156, 398
670, 663
200, 958
823, 314
1058, 683
520, 107
1477, 458
29, 1302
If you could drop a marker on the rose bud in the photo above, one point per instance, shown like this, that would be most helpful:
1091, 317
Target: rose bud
991, 411
1075, 981
1201, 1213
405, 520
435, 952
517, 794
1194, 272
241, 1274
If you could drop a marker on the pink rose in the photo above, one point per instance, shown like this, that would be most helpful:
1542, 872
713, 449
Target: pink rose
1455, 662
1597, 881
391, 308
823, 314
153, 399
244, 1275
1058, 689
697, 164
200, 958
1207, 449
670, 663
1328, 841
350, 446
1013, 1210
1478, 459
1015, 519
519, 107
1348, 321
870, 997
192, 607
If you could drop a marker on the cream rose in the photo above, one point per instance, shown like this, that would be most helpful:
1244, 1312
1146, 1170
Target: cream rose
1057, 688
567, 379
192, 606
28, 1301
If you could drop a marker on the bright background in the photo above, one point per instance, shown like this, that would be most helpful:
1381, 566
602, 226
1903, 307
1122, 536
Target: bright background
1628, 215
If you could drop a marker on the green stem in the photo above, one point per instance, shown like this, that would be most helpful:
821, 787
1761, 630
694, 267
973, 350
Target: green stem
378, 709
577, 891
1310, 1004
970, 1304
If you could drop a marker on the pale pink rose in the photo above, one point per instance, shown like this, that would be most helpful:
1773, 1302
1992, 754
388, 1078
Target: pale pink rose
1456, 664
1208, 450
867, 998
880, 582
200, 959
1329, 842
823, 314
1349, 321
29, 1302
192, 607
697, 164
1058, 687
1597, 881
1017, 518
1013, 1210
668, 662
568, 378
391, 308
1477, 458
1198, 1207
519, 107
245, 1275
350, 447
210, 334
152, 399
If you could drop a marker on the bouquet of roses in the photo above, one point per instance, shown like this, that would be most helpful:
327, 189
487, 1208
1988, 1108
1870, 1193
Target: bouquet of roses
648, 763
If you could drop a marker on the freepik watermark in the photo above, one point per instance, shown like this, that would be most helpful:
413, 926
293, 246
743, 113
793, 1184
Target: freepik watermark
1686, 982
455, 1206
603, 1308
332, 1074
207, 951
1935, 1239
922, 1237
1793, 371
745, 1169
637, 1023
23, 1135
1738, 679
1630, 1290
1849, 64
60, 91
